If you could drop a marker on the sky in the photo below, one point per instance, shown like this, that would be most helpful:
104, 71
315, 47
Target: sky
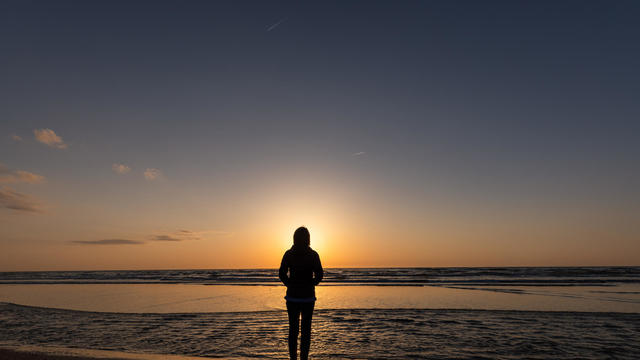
201, 134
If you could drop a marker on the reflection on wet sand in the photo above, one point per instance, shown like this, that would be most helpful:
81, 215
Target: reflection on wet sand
173, 298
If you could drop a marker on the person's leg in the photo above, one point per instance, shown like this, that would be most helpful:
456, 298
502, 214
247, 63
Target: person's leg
305, 337
293, 309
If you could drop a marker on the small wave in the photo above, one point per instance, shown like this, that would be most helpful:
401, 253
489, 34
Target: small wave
513, 276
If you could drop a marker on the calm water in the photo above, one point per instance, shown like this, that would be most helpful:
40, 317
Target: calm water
510, 313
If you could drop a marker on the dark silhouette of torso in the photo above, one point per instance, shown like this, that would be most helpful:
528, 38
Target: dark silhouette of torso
305, 272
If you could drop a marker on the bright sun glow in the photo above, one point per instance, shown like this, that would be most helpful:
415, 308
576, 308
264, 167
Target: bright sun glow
318, 240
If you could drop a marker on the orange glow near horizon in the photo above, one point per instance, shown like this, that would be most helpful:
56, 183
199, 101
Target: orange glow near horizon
351, 225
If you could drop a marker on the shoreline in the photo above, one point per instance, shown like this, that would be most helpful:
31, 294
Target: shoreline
324, 310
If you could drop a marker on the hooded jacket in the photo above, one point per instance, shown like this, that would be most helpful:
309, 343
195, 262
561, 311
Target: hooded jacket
304, 272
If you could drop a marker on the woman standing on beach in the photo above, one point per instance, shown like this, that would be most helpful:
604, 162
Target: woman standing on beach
304, 272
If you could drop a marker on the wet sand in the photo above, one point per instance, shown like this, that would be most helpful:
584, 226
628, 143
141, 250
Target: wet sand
7, 354
380, 334
57, 353
192, 298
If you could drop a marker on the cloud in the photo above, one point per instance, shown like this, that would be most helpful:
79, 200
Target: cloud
11, 199
108, 242
152, 174
120, 168
16, 137
49, 137
165, 238
8, 176
29, 177
179, 235
360, 153
21, 176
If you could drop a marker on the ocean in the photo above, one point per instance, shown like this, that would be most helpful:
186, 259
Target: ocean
380, 313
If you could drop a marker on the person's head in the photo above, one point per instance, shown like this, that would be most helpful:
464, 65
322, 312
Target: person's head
301, 237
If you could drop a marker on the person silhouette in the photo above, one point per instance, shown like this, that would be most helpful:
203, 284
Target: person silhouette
304, 272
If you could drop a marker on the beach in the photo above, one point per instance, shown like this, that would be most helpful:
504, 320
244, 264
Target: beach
525, 313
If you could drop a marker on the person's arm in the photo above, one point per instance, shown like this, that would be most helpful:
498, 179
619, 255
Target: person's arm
317, 271
284, 267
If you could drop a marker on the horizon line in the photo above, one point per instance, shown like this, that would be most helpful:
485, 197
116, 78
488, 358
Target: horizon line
339, 267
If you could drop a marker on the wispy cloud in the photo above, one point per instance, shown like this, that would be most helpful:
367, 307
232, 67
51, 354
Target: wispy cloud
108, 242
28, 177
13, 200
179, 235
152, 174
8, 176
275, 25
165, 238
360, 153
16, 137
49, 138
120, 168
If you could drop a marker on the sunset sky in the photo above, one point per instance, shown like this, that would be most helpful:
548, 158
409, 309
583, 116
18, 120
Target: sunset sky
200, 134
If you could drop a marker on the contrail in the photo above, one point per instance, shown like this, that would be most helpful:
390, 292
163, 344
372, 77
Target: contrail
276, 24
